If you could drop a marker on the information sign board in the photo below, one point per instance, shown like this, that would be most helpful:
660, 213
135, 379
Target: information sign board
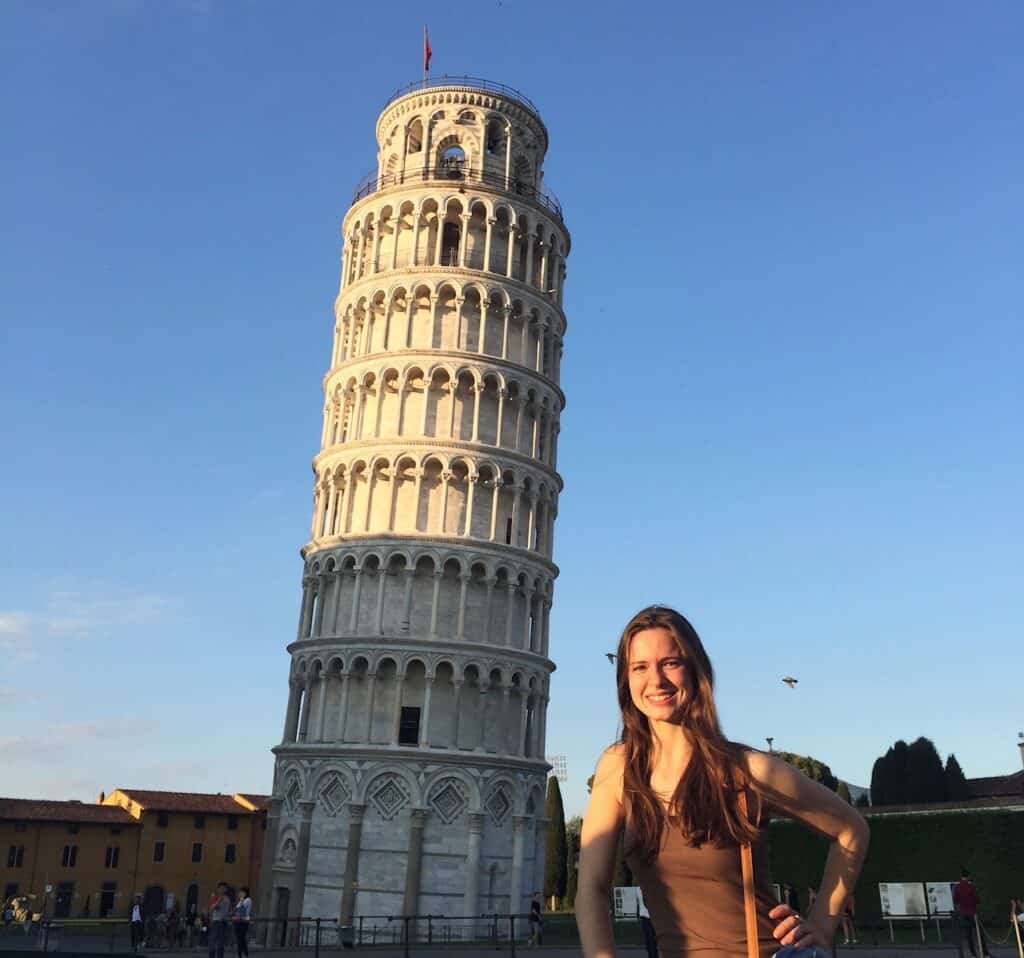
940, 897
903, 899
625, 902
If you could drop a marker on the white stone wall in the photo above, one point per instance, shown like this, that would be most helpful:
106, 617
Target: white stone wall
410, 776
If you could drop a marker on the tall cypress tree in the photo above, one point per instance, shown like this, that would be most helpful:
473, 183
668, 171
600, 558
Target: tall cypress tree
573, 827
926, 781
880, 779
956, 781
896, 773
555, 859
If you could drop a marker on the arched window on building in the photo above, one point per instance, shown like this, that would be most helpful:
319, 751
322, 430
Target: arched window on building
450, 240
453, 161
414, 138
495, 140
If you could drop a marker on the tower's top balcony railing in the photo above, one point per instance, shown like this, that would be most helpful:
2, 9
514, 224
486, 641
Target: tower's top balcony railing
470, 83
455, 173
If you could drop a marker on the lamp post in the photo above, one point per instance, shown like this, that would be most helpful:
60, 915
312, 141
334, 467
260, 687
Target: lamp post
769, 740
1020, 745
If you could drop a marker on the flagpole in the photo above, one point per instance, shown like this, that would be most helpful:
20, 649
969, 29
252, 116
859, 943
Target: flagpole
426, 44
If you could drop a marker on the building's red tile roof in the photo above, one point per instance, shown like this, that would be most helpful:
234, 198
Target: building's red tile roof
201, 802
41, 810
259, 803
997, 785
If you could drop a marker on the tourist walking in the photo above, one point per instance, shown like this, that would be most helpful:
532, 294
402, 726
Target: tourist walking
536, 920
849, 931
220, 915
137, 923
242, 916
690, 803
966, 899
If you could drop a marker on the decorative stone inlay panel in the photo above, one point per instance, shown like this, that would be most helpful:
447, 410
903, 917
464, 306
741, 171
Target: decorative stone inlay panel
449, 799
389, 796
498, 805
293, 796
334, 795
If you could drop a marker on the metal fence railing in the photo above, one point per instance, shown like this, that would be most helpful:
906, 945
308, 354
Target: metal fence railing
407, 935
463, 82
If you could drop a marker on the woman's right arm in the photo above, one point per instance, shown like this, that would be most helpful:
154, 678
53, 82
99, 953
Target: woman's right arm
599, 841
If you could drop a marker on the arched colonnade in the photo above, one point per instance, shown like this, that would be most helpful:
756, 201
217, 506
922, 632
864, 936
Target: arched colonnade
454, 598
443, 401
445, 702
456, 231
470, 319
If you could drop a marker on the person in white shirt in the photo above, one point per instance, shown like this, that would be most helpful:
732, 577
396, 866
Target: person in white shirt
646, 925
137, 923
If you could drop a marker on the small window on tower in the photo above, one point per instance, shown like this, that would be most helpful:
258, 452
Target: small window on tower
409, 726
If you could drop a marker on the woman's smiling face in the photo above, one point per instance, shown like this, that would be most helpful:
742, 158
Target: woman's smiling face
659, 681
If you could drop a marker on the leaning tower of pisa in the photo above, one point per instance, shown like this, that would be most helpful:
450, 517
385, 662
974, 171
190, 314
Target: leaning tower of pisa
410, 777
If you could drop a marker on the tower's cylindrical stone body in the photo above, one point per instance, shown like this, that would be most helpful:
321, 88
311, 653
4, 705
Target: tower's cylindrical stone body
410, 778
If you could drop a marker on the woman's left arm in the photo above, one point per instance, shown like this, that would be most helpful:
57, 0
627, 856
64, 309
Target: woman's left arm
822, 810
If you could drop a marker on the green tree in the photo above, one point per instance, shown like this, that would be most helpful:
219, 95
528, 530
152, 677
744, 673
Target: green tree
573, 827
956, 781
926, 780
897, 773
812, 768
879, 779
622, 876
555, 858
844, 792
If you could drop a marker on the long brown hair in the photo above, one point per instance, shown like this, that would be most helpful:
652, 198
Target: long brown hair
704, 803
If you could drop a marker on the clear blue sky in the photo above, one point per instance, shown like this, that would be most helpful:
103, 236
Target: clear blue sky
793, 365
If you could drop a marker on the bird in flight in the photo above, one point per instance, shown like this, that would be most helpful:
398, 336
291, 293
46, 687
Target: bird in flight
610, 656
790, 681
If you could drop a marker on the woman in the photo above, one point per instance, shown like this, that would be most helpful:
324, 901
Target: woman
242, 916
677, 788
849, 931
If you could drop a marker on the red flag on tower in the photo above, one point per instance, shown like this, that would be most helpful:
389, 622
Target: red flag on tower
427, 52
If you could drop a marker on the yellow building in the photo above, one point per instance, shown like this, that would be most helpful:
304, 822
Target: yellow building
190, 841
79, 859
72, 859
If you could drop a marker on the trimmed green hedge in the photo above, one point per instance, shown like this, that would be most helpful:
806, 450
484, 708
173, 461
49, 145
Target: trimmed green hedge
915, 847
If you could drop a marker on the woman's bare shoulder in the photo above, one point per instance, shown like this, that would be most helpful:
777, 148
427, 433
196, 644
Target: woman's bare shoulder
610, 766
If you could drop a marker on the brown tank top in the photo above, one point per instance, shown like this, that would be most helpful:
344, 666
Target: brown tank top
695, 897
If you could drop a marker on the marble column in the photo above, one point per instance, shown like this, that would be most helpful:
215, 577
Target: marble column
351, 879
540, 845
321, 711
266, 890
414, 862
302, 856
515, 891
425, 714
342, 707
291, 719
304, 717
471, 898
